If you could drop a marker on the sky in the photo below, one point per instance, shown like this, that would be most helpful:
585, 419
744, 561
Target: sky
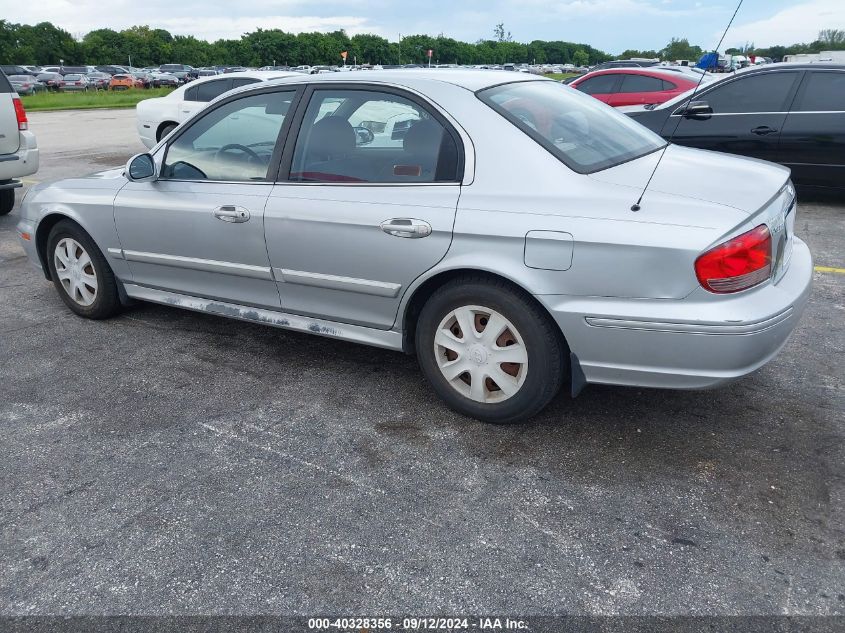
609, 25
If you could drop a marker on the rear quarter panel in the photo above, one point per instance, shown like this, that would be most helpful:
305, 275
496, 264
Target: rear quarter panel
520, 187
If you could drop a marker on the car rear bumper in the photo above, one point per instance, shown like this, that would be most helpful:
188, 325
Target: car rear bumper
23, 162
694, 343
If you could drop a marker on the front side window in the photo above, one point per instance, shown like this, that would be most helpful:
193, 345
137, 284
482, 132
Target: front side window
766, 92
371, 136
598, 85
582, 132
234, 142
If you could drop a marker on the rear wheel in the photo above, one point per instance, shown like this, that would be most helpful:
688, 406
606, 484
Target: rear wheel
489, 351
7, 201
80, 273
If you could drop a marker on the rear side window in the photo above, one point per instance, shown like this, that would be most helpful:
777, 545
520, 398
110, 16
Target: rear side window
641, 83
213, 89
823, 92
5, 86
371, 136
600, 85
766, 92
244, 81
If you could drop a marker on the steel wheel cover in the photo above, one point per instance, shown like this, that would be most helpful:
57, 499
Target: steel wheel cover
75, 271
481, 354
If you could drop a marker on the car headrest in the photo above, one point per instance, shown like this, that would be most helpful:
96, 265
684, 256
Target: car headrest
423, 138
330, 137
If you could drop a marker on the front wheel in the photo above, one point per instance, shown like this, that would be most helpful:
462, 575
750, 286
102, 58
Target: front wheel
489, 351
167, 129
80, 273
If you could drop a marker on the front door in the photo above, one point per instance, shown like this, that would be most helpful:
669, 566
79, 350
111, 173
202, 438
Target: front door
199, 229
365, 204
748, 116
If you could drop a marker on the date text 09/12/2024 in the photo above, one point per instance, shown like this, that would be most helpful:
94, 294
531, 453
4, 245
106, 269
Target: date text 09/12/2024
416, 624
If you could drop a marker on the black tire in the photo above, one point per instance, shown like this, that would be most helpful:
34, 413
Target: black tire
107, 300
7, 201
167, 129
548, 354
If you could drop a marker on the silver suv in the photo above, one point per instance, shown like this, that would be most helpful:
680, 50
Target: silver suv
18, 150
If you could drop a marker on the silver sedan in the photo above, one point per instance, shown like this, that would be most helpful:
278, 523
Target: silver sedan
485, 223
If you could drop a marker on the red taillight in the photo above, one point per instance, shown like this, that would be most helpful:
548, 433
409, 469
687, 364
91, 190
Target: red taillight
20, 113
737, 264
78, 83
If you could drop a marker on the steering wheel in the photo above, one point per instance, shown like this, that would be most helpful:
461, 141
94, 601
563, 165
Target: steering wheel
236, 146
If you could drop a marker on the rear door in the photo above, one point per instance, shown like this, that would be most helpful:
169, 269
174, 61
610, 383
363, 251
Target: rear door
812, 143
365, 202
748, 115
9, 137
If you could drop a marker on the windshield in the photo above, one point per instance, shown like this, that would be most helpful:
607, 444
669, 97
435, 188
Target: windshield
582, 132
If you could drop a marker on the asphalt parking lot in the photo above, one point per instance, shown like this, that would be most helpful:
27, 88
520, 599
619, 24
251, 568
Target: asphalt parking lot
170, 462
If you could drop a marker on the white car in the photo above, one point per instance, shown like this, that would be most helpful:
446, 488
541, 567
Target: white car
18, 150
156, 118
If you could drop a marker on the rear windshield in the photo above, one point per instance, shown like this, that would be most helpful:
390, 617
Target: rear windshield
21, 78
582, 132
73, 77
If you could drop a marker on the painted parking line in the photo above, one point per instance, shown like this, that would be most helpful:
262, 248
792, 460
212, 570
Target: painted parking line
27, 181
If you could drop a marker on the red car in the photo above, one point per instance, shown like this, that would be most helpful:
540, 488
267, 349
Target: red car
635, 86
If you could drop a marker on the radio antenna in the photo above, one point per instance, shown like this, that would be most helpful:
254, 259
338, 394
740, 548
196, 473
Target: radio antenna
636, 205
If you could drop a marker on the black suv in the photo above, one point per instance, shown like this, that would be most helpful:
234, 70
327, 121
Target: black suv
793, 114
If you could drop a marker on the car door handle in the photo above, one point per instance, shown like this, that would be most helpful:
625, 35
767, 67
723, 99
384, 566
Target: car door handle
406, 227
763, 130
231, 213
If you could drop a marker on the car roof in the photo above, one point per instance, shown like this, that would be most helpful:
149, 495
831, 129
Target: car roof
470, 79
650, 71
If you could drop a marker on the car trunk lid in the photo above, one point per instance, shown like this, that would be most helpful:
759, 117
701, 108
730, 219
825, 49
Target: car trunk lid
746, 184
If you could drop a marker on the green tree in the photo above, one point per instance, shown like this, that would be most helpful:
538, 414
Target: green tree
580, 57
680, 49
499, 33
832, 38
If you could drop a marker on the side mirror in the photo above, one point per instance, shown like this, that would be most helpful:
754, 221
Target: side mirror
364, 135
140, 168
696, 110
